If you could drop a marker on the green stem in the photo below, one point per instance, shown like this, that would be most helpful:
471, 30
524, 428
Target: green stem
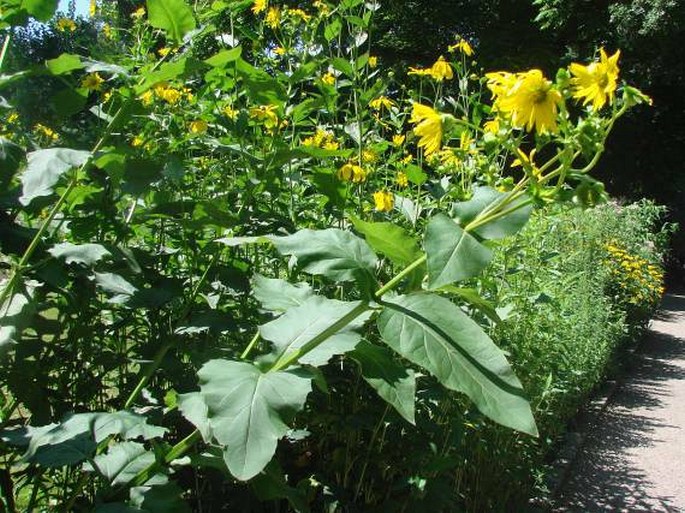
399, 277
250, 346
3, 52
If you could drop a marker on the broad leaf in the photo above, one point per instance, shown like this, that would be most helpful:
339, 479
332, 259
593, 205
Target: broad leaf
279, 295
390, 240
336, 254
328, 322
173, 16
193, 407
42, 10
487, 197
392, 381
248, 411
219, 60
65, 63
472, 297
432, 332
16, 313
116, 286
163, 497
122, 462
452, 253
87, 254
44, 169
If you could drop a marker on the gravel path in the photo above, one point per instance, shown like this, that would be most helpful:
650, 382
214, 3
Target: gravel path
634, 456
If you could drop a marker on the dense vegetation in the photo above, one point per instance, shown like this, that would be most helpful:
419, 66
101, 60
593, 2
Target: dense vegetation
249, 267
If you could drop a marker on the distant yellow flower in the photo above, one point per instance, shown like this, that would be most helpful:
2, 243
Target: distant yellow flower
428, 127
64, 24
492, 126
384, 201
279, 50
107, 96
259, 6
147, 97
164, 51
321, 139
398, 139
46, 131
402, 179
197, 127
463, 46
230, 113
328, 79
92, 81
137, 141
107, 31
528, 98
266, 114
381, 102
13, 118
373, 61
299, 13
93, 8
169, 94
273, 17
421, 72
322, 7
596, 82
352, 173
138, 13
369, 156
441, 70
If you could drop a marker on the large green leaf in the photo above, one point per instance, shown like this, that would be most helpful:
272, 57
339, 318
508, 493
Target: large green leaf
44, 169
122, 462
159, 497
279, 295
42, 10
173, 16
16, 313
336, 254
452, 253
219, 60
65, 63
248, 410
487, 197
390, 240
87, 254
432, 332
328, 322
393, 382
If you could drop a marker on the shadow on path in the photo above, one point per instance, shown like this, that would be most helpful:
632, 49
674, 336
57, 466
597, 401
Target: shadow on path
632, 460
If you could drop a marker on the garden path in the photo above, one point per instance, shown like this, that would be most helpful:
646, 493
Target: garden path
633, 459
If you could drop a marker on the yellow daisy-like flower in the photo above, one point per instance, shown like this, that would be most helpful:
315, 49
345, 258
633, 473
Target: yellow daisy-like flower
369, 156
92, 8
492, 126
259, 6
137, 141
462, 46
352, 173
230, 113
147, 98
107, 31
13, 118
381, 102
596, 83
384, 201
300, 14
373, 61
266, 114
529, 99
398, 140
273, 17
428, 127
328, 79
323, 8
441, 70
138, 13
197, 127
164, 51
279, 50
169, 94
402, 179
64, 24
421, 72
92, 82
46, 131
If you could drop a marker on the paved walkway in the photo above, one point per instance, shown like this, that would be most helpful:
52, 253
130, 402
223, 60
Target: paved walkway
634, 457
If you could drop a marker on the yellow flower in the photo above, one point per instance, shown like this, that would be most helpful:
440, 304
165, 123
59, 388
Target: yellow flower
421, 72
441, 70
138, 13
529, 99
273, 17
64, 24
352, 173
279, 50
230, 112
373, 61
299, 13
197, 127
596, 82
328, 79
13, 117
321, 139
266, 114
384, 201
402, 179
463, 46
164, 51
369, 156
259, 6
322, 7
46, 131
428, 127
93, 8
380, 102
492, 126
168, 94
147, 97
107, 31
137, 141
92, 81
398, 140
